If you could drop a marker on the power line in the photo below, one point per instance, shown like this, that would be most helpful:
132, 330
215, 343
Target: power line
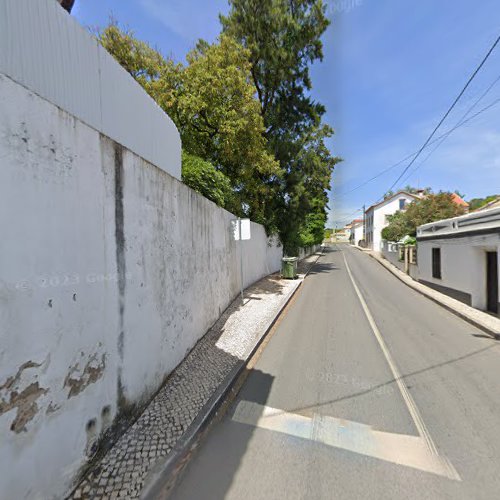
460, 122
476, 71
444, 135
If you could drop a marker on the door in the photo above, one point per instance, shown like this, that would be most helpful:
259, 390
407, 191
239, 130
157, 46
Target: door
492, 282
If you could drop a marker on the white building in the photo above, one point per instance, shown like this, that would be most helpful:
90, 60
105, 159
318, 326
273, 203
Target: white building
377, 217
356, 232
459, 257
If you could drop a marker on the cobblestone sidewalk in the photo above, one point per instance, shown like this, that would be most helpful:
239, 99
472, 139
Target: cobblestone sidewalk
122, 471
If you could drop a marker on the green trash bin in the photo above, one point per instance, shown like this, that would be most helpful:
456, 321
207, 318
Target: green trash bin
289, 267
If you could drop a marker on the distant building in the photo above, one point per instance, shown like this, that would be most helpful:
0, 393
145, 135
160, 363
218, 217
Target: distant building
376, 216
458, 200
460, 257
356, 236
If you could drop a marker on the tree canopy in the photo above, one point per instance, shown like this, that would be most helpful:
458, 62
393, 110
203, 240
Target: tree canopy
431, 208
243, 105
476, 203
283, 38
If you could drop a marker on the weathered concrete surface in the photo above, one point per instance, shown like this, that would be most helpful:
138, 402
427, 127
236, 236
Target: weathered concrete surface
48, 52
128, 465
110, 271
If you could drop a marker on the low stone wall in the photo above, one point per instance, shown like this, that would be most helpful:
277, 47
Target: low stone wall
306, 251
391, 252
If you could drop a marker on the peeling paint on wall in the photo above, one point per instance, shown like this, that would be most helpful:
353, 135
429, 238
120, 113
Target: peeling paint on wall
91, 373
25, 400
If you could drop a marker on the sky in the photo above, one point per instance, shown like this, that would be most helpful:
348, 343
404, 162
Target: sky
390, 71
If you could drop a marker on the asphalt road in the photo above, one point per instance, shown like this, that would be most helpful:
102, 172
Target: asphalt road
366, 389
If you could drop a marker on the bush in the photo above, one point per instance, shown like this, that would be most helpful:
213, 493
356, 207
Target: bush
203, 177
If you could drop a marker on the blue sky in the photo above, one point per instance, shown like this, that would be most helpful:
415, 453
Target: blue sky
390, 71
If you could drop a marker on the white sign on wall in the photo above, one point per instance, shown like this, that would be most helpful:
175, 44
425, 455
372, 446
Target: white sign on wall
245, 229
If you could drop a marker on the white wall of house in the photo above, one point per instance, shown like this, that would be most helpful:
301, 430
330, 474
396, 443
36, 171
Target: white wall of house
463, 242
111, 269
376, 218
357, 233
463, 265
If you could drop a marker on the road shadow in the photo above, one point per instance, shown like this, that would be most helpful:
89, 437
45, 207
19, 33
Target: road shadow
323, 267
391, 381
484, 336
209, 471
272, 284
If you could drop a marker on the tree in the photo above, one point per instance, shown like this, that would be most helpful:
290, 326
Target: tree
398, 227
283, 38
211, 101
203, 177
429, 209
476, 203
414, 190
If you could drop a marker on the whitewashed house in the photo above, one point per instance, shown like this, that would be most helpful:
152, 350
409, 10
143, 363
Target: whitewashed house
377, 216
356, 232
459, 257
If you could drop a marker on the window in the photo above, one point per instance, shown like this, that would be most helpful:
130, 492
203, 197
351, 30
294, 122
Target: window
436, 263
402, 204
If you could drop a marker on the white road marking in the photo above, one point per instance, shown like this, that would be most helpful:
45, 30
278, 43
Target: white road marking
410, 403
409, 451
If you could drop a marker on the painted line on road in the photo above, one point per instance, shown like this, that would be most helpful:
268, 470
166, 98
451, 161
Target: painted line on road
399, 449
410, 403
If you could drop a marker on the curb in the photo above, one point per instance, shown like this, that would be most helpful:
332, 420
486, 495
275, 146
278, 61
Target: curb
410, 282
162, 478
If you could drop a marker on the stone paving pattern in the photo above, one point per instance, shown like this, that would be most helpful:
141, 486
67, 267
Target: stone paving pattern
122, 471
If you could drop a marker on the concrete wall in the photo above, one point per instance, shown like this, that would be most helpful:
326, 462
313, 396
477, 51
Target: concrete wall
463, 266
46, 50
110, 271
305, 252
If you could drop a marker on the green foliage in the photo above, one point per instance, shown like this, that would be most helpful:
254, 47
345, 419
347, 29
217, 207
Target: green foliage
203, 177
398, 227
414, 190
283, 39
312, 232
429, 209
243, 105
328, 233
143, 62
211, 100
476, 203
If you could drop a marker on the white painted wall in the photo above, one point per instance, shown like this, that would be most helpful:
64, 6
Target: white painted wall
47, 51
376, 218
463, 264
357, 230
93, 314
